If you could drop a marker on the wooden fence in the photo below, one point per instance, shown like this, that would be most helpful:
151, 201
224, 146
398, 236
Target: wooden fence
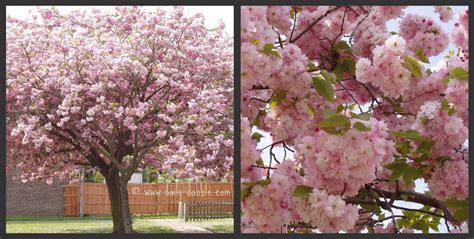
208, 210
144, 198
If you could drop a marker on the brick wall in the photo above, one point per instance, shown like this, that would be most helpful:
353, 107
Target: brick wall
34, 198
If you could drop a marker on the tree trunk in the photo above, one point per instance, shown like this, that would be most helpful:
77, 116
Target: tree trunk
126, 215
118, 195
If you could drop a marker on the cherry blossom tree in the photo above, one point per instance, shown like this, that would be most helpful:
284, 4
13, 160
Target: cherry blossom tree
358, 115
118, 90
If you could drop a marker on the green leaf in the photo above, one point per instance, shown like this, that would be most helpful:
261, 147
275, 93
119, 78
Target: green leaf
409, 214
244, 193
270, 50
393, 33
442, 159
342, 45
444, 104
361, 127
312, 66
404, 196
434, 226
408, 134
254, 41
248, 187
445, 81
461, 214
425, 146
260, 162
395, 175
429, 72
273, 103
363, 116
327, 112
267, 48
257, 136
410, 174
403, 147
370, 207
349, 66
411, 64
292, 13
339, 71
459, 73
398, 168
301, 172
278, 96
336, 121
419, 225
264, 182
329, 76
301, 191
310, 110
402, 222
381, 217
331, 130
324, 88
397, 164
454, 203
451, 111
339, 108
421, 55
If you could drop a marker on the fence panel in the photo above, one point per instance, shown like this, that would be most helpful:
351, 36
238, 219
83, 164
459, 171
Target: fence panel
208, 210
146, 198
71, 200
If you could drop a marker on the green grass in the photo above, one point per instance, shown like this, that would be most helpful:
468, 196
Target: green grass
217, 225
141, 225
85, 218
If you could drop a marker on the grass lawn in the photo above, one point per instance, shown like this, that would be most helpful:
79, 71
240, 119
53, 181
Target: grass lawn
216, 225
85, 218
92, 224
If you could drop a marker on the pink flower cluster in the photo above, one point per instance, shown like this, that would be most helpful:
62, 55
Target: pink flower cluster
445, 13
269, 208
451, 179
385, 71
249, 155
279, 17
255, 27
283, 118
371, 31
94, 83
330, 213
292, 72
421, 32
460, 33
342, 164
449, 132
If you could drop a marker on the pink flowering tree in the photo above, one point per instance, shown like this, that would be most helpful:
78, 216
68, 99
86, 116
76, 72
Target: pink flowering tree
358, 116
118, 91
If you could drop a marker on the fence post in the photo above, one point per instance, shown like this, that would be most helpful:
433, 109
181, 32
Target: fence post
81, 199
186, 212
180, 210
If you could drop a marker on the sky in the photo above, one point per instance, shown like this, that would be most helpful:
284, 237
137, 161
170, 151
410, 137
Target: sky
212, 14
392, 25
